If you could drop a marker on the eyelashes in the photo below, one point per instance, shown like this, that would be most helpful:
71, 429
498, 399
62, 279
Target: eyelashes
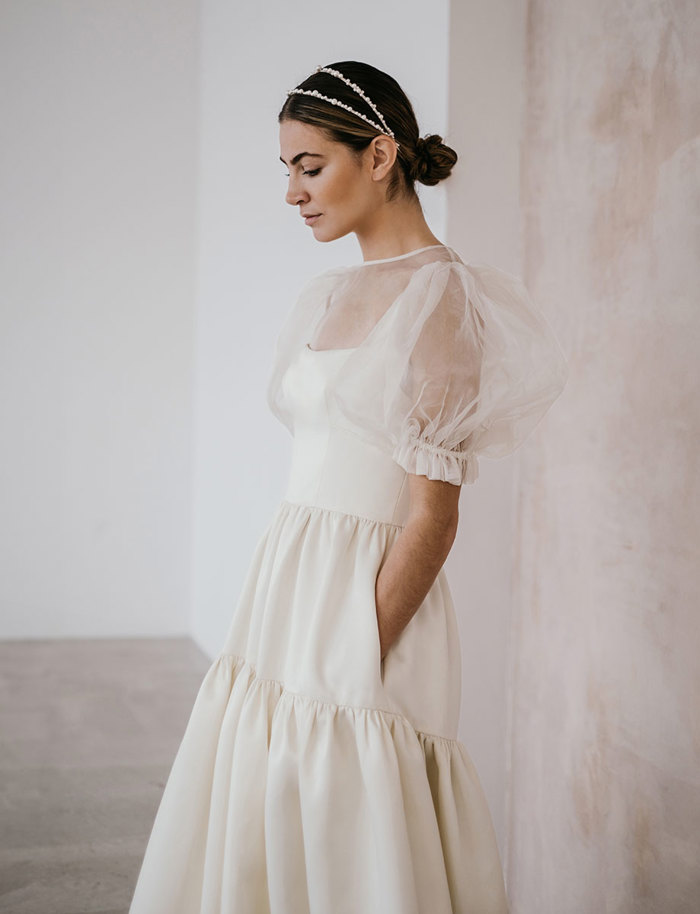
310, 173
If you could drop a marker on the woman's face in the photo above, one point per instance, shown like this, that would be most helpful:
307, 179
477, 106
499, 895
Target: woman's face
327, 181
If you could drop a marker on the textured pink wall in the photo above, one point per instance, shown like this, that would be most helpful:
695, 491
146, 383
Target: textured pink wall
604, 806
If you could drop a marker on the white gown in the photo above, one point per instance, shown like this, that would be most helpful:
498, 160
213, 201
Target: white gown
312, 777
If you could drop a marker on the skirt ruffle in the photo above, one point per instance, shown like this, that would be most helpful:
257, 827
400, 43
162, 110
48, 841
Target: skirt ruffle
280, 803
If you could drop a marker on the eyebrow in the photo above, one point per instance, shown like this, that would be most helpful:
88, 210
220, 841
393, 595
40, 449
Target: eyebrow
314, 155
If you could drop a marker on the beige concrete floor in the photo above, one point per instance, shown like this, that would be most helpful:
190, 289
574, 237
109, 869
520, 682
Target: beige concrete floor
88, 732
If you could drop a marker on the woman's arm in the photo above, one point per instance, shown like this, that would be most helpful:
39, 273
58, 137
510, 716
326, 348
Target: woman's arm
417, 556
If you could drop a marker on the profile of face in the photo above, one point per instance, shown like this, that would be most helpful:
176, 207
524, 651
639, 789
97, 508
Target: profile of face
327, 181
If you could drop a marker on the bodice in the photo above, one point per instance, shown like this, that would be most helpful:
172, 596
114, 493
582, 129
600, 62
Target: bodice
333, 467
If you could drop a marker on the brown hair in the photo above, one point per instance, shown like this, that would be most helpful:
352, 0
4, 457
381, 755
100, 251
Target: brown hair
424, 159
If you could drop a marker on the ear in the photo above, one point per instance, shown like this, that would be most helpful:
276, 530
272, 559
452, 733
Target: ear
383, 155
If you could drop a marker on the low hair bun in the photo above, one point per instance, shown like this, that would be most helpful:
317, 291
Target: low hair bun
433, 160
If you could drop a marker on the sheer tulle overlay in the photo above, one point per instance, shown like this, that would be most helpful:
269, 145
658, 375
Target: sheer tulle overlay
313, 777
451, 361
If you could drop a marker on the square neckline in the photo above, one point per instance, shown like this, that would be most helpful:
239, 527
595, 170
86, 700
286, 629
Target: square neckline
346, 349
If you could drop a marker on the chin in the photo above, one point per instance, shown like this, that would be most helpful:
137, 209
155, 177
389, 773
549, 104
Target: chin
331, 235
322, 236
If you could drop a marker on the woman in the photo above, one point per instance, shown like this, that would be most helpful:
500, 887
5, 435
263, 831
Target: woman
320, 770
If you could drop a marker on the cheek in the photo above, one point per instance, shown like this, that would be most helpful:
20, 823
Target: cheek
339, 189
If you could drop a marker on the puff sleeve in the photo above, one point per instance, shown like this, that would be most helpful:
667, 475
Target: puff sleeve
479, 368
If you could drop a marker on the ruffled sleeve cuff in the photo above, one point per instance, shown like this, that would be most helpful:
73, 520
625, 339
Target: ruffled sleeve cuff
417, 454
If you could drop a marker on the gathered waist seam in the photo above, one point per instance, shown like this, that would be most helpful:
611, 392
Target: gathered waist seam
286, 502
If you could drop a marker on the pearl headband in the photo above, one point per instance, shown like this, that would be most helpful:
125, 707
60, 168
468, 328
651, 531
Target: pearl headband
334, 101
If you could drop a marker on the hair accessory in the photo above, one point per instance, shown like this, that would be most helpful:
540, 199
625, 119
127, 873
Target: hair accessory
334, 101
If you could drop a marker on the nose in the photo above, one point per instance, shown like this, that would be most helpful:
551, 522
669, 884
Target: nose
295, 195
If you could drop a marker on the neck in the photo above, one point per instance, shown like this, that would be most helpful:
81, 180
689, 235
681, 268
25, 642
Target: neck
395, 228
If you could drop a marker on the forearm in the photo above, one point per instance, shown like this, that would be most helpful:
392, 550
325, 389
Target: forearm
408, 573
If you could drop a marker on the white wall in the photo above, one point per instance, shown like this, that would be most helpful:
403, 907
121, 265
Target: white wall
484, 224
98, 173
255, 252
